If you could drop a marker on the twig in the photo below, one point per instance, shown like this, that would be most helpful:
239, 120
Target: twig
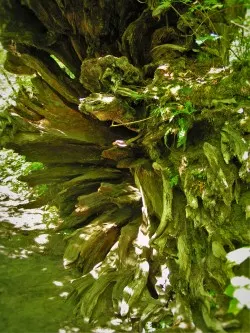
132, 122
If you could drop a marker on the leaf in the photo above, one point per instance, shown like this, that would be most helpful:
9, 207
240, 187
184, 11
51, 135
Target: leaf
182, 138
174, 180
229, 290
182, 133
234, 307
218, 250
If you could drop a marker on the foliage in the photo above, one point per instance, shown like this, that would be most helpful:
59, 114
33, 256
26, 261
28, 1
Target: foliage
12, 166
180, 117
211, 40
240, 48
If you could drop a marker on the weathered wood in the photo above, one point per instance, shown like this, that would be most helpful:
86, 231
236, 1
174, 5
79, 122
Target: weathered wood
89, 245
107, 107
105, 198
53, 174
56, 152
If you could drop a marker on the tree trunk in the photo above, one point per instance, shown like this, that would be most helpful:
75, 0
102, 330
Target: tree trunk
144, 136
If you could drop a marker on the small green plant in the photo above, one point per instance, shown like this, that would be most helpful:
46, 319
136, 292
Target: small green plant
174, 179
34, 166
183, 122
186, 109
13, 166
240, 48
207, 33
159, 112
212, 294
199, 174
182, 132
40, 190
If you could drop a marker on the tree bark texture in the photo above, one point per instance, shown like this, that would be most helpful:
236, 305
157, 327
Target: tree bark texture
145, 140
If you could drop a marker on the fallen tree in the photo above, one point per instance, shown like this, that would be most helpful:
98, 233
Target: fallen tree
143, 130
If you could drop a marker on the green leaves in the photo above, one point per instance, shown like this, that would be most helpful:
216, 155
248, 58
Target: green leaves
13, 166
34, 166
183, 122
187, 109
182, 133
174, 179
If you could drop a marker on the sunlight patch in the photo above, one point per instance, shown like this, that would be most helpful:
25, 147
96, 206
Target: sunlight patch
94, 273
66, 263
124, 307
144, 266
68, 329
174, 90
58, 283
141, 241
20, 254
128, 290
245, 155
107, 99
116, 321
84, 236
236, 257
149, 327
155, 252
163, 280
240, 281
243, 296
42, 239
103, 330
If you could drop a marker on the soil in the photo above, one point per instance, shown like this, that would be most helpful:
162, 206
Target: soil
33, 282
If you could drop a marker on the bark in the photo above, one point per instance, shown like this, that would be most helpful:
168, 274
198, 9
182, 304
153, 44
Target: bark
145, 147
